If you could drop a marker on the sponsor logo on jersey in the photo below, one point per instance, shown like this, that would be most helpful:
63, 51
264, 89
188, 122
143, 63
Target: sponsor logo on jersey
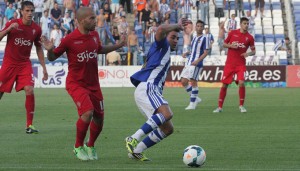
78, 42
240, 45
22, 42
87, 55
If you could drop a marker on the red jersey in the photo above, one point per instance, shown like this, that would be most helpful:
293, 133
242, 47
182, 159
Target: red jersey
82, 51
19, 43
243, 41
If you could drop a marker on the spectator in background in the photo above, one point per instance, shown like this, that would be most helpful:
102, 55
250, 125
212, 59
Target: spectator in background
284, 45
221, 36
239, 6
144, 18
107, 14
56, 35
113, 58
38, 10
48, 5
56, 15
114, 6
66, 23
15, 16
132, 44
45, 24
116, 34
128, 4
186, 7
123, 27
95, 6
70, 7
152, 31
251, 28
154, 7
140, 6
204, 10
210, 40
219, 8
261, 5
118, 16
9, 12
164, 11
101, 27
232, 23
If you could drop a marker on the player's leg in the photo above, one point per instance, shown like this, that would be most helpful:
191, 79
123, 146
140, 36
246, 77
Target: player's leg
185, 80
155, 136
194, 77
242, 89
85, 108
227, 79
96, 126
30, 109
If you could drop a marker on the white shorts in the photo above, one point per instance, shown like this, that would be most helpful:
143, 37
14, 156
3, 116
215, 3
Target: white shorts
114, 8
191, 72
148, 98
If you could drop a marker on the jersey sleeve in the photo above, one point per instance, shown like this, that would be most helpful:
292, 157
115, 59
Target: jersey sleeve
227, 40
7, 25
62, 47
38, 38
252, 46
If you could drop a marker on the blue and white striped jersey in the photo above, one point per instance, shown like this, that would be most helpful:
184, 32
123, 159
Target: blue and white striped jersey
279, 44
199, 44
156, 66
186, 8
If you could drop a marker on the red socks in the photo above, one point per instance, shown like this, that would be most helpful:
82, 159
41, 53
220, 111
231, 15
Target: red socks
242, 93
222, 96
81, 131
95, 130
29, 105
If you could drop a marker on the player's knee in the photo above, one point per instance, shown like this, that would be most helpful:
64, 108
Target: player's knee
184, 82
87, 116
28, 90
169, 130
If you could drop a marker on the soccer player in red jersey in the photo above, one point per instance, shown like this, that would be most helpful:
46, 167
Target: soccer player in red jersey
16, 68
82, 47
237, 42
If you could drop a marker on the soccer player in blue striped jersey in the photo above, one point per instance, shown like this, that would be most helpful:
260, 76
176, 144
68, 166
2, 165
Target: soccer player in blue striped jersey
186, 8
193, 67
281, 44
149, 82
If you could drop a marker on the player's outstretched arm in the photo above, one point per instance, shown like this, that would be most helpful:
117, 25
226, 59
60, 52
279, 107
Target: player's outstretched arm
49, 46
110, 48
6, 31
164, 29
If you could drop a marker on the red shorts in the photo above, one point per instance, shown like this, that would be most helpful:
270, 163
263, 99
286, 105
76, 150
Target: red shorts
230, 71
21, 75
86, 100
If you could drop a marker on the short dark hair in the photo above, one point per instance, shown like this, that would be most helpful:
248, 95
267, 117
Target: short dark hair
200, 21
26, 3
244, 19
287, 38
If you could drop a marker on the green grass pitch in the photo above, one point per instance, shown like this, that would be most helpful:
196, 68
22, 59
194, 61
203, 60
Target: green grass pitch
266, 138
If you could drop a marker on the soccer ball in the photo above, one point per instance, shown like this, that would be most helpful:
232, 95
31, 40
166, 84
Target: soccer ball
194, 156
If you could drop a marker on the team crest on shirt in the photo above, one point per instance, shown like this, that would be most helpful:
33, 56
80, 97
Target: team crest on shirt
33, 31
95, 39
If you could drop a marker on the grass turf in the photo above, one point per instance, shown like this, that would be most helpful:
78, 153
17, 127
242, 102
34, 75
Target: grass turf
265, 138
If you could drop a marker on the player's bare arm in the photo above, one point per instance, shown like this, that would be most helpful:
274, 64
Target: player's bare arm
6, 31
249, 53
40, 54
49, 46
110, 48
195, 63
164, 29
